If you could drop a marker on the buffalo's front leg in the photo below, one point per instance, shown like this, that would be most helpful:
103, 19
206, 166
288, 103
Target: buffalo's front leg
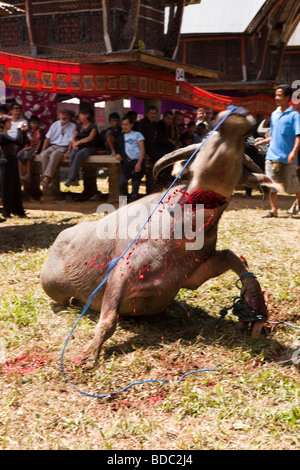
222, 261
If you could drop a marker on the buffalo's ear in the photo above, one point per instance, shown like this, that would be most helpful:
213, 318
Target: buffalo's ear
177, 168
255, 180
182, 154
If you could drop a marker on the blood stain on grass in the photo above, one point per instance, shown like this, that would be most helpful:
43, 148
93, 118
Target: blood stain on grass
24, 364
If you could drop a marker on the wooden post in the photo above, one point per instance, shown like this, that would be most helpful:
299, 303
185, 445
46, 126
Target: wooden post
32, 189
114, 172
30, 26
53, 192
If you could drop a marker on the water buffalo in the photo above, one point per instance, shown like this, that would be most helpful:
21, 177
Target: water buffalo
147, 278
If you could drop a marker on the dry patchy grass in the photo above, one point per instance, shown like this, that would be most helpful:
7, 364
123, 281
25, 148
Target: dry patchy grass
251, 401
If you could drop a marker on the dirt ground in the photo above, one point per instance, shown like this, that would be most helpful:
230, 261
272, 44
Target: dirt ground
238, 201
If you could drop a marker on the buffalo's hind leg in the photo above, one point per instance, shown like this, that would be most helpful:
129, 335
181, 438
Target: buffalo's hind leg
106, 325
222, 261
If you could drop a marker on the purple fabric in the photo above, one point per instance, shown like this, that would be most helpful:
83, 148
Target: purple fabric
168, 105
137, 105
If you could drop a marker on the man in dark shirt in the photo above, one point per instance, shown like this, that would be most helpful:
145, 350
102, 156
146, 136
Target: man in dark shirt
112, 133
164, 133
148, 127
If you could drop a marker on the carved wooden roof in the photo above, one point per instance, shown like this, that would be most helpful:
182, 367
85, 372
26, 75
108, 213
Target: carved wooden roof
6, 9
282, 16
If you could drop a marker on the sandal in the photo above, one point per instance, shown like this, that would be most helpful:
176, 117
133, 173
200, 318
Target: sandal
269, 215
45, 181
26, 178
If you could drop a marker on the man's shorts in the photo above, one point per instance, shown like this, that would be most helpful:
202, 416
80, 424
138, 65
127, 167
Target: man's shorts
283, 173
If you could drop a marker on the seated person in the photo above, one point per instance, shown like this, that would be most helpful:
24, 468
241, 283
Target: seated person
56, 145
81, 146
16, 120
34, 140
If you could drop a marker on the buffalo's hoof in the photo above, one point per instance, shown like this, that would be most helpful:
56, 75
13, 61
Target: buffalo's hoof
85, 362
253, 328
89, 357
257, 329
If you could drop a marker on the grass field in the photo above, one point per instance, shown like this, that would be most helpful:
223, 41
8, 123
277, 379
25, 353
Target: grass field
249, 400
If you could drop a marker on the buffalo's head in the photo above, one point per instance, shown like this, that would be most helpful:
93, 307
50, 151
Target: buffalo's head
219, 164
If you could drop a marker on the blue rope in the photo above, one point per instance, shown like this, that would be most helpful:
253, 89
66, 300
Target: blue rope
137, 383
282, 323
115, 261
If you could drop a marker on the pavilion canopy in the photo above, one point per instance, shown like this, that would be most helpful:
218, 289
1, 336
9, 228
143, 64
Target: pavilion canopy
102, 81
105, 82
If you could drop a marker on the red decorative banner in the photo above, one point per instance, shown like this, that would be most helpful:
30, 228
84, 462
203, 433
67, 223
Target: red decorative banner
256, 104
106, 82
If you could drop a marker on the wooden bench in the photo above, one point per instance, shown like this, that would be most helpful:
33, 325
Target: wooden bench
89, 172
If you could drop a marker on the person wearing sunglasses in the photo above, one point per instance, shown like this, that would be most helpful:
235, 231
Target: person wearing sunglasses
56, 145
16, 121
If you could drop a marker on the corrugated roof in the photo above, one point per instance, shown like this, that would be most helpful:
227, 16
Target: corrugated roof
219, 16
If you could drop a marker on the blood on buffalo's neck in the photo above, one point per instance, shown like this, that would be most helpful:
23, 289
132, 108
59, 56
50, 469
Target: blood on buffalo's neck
218, 166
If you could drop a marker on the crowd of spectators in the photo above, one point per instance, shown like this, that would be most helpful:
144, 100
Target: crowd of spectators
159, 137
136, 144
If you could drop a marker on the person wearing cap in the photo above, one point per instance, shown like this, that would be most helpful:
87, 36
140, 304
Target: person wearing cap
56, 145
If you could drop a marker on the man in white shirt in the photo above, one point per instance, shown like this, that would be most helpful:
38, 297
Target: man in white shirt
56, 145
16, 120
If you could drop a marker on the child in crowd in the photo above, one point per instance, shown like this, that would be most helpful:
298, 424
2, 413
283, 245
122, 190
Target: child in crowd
130, 152
34, 140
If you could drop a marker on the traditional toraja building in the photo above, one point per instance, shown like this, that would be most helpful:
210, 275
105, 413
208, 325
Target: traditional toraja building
71, 28
109, 49
251, 57
100, 50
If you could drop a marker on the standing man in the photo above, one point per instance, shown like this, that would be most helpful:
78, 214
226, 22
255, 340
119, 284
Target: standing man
295, 208
282, 154
112, 133
201, 115
56, 145
148, 128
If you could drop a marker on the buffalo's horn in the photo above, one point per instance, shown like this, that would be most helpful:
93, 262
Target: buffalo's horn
170, 158
250, 165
